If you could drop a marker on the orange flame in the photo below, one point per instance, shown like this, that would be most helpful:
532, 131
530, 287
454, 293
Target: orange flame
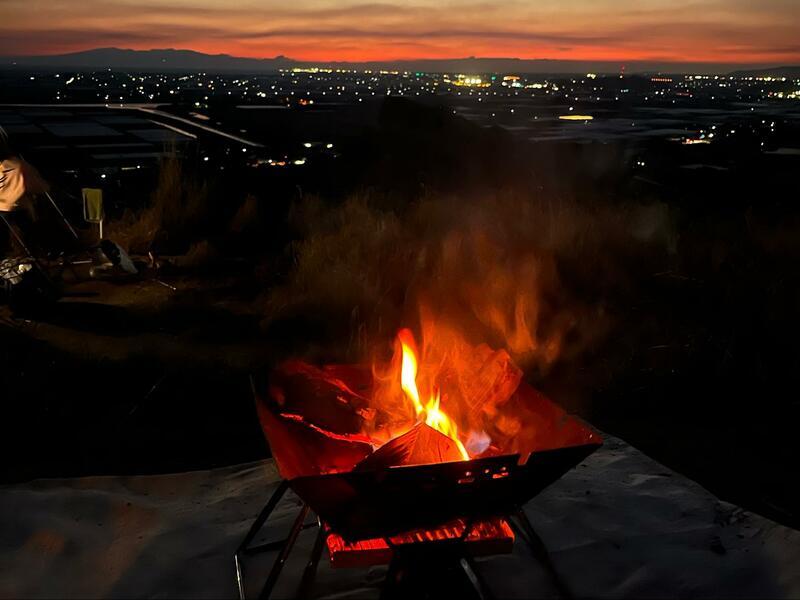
434, 416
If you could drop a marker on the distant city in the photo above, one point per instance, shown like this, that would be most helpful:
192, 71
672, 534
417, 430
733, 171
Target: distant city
109, 124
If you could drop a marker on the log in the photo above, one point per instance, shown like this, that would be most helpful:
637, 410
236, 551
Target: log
420, 445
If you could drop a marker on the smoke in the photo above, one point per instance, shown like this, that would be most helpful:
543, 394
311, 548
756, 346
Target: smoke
513, 272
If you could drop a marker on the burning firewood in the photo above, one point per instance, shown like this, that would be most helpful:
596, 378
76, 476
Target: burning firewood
420, 445
488, 380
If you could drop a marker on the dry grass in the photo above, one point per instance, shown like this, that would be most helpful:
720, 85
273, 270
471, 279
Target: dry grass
176, 215
246, 218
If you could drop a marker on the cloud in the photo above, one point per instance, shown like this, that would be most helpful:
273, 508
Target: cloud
426, 34
20, 42
699, 30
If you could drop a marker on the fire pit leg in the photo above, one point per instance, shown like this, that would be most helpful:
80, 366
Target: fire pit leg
288, 544
254, 529
425, 574
481, 589
539, 551
451, 577
283, 546
310, 571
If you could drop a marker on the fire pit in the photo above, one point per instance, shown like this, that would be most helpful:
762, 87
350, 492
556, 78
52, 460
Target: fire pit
427, 456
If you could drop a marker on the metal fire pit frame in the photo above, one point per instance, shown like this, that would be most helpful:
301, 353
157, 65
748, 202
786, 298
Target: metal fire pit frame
402, 559
374, 503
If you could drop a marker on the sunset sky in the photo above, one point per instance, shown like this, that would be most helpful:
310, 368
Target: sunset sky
711, 31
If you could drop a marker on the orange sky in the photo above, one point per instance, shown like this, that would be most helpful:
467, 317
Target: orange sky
713, 31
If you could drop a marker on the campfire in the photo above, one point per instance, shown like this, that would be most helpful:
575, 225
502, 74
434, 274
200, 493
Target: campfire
436, 445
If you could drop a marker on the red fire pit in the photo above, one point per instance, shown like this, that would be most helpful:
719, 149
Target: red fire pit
358, 497
376, 502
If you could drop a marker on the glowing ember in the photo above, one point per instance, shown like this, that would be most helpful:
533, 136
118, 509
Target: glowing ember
432, 413
491, 536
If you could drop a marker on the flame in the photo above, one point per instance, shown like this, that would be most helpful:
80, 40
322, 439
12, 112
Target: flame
432, 412
409, 368
448, 383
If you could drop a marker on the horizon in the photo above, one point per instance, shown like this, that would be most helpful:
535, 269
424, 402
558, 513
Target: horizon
709, 32
604, 67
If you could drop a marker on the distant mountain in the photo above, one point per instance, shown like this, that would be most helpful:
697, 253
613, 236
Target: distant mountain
149, 60
791, 72
189, 60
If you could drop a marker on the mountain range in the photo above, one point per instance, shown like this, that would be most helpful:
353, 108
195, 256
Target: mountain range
190, 60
